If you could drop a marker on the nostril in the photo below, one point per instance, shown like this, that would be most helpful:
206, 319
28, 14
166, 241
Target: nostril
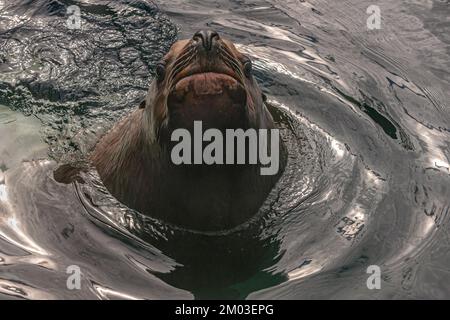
214, 35
198, 36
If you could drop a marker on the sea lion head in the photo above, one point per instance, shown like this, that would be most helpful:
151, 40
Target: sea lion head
204, 78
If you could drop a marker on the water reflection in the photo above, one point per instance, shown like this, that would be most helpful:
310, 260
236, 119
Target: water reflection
363, 115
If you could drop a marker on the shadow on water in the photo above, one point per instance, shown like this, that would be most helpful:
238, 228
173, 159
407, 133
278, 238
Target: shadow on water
211, 265
222, 267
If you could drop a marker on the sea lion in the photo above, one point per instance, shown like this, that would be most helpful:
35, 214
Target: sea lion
204, 78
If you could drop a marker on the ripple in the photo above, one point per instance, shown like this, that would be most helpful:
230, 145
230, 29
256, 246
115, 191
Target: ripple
363, 115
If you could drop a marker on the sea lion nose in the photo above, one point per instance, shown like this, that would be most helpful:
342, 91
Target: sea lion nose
207, 38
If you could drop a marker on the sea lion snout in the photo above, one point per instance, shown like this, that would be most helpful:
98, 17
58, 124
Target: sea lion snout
208, 85
207, 38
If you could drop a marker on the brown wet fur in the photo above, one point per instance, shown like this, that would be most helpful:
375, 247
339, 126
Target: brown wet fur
133, 158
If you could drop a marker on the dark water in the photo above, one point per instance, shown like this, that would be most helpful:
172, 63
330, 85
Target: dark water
365, 116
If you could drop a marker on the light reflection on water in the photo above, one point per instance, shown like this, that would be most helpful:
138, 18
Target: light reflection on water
363, 117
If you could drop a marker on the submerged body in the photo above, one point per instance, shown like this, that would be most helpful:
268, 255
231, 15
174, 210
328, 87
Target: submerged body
202, 79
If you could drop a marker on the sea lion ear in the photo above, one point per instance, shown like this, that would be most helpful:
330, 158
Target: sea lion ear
142, 104
264, 97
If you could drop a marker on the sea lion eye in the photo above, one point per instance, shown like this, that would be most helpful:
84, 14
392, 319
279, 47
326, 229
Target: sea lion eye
160, 71
248, 68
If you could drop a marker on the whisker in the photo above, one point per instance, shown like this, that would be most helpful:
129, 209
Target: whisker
181, 62
225, 51
179, 67
231, 62
182, 57
185, 53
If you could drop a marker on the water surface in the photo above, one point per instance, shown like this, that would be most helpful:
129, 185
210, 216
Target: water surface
365, 117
